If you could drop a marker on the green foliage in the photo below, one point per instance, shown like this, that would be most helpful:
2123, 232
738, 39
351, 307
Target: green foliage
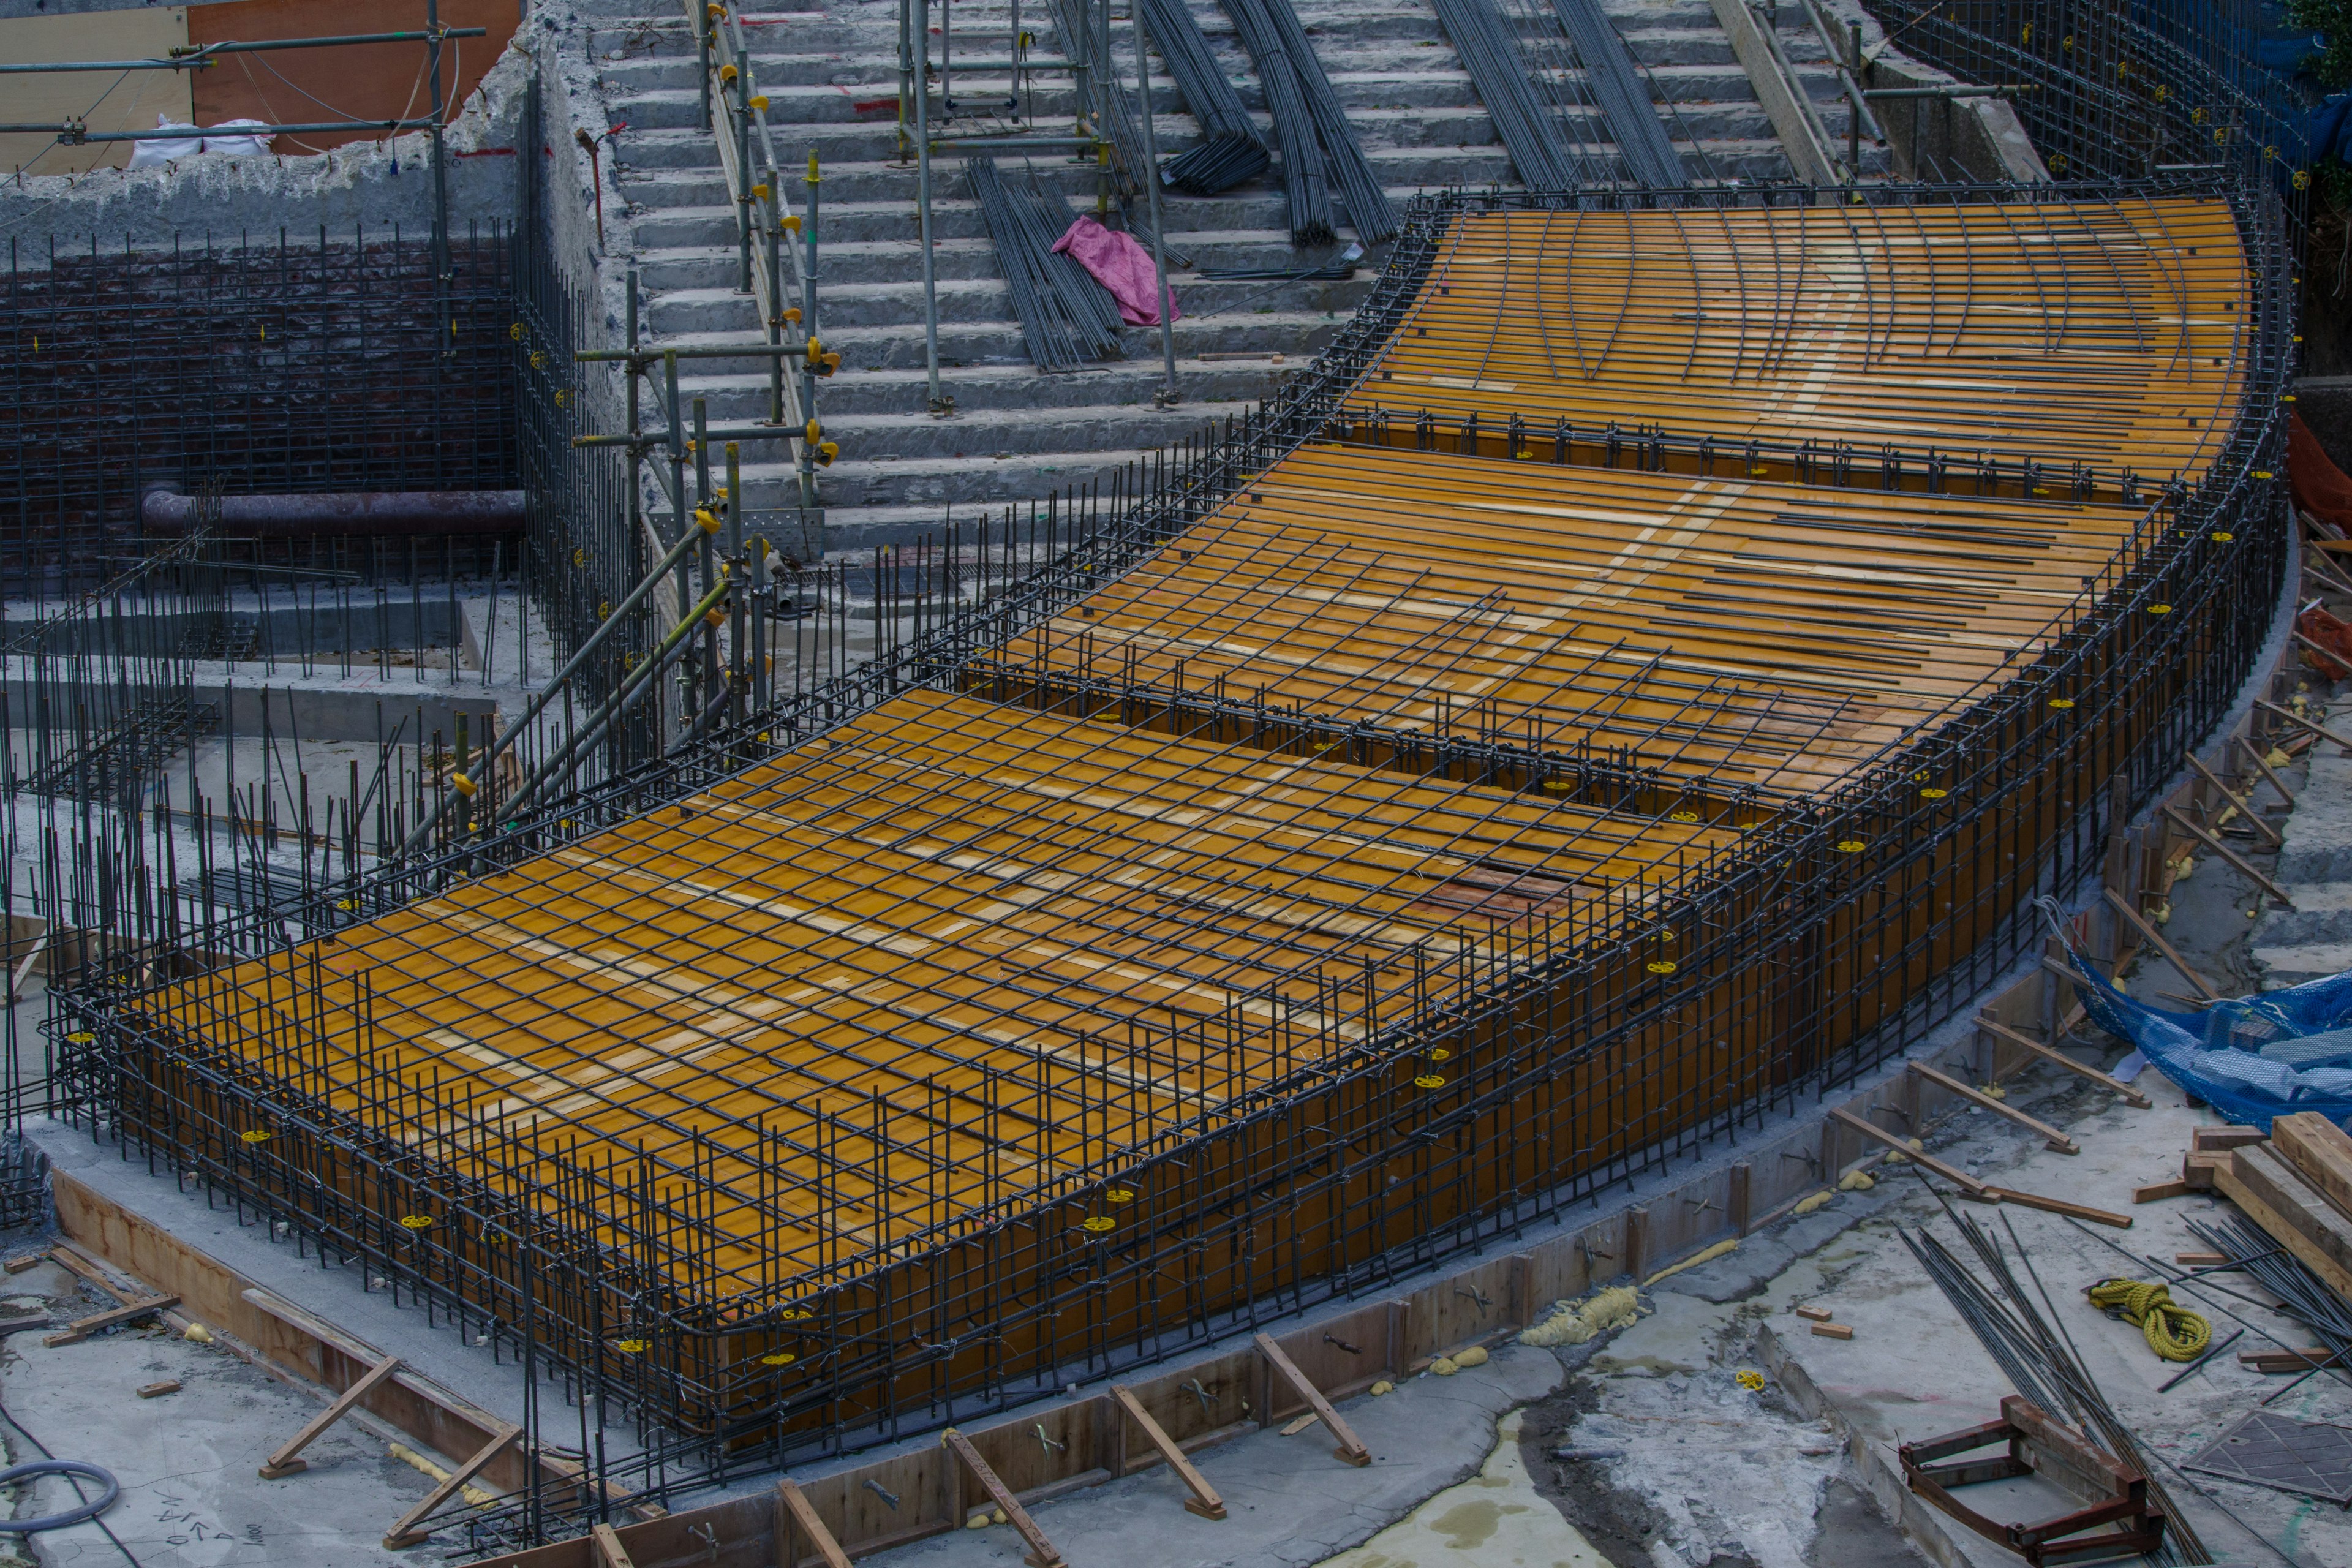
2333, 18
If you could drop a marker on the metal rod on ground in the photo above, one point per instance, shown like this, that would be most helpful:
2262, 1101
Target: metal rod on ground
1149, 175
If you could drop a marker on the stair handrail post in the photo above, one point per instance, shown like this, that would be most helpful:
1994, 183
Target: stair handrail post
1150, 177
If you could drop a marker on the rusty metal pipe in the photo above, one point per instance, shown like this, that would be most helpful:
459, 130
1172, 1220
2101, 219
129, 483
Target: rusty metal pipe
347, 512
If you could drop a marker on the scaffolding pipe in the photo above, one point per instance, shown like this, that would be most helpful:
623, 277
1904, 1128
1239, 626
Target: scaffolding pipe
939, 406
705, 525
1149, 175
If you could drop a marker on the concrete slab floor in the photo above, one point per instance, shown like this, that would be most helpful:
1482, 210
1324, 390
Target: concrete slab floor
186, 1460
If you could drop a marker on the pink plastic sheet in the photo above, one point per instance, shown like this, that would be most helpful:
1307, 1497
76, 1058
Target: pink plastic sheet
1121, 265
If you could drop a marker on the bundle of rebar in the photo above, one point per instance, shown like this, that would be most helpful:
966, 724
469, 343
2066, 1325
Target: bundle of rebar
1297, 145
1111, 104
1067, 320
1529, 128
1369, 212
1624, 102
2038, 1359
1231, 149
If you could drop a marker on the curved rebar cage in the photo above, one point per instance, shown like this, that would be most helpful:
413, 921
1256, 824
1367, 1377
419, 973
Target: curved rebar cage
1123, 953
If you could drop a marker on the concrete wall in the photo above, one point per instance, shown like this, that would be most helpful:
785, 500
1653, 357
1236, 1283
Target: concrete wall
1939, 139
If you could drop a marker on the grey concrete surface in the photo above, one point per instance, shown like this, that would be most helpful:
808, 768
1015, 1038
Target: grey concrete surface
186, 1460
1289, 1501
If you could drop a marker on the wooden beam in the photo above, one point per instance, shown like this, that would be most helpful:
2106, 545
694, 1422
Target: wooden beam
1951, 1174
1204, 1500
82, 1328
284, 1462
2154, 939
2056, 1140
2237, 861
2255, 754
1042, 1551
1351, 1448
2246, 807
610, 1553
406, 1531
793, 1507
2279, 1201
2055, 1059
2321, 1153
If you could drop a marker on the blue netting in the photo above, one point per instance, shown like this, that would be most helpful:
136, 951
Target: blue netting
2250, 1058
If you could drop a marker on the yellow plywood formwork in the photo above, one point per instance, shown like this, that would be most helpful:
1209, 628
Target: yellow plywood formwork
1746, 632
1440, 814
100, 100
980, 944
2117, 334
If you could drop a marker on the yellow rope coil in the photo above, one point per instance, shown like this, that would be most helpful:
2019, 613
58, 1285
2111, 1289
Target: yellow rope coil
2173, 1331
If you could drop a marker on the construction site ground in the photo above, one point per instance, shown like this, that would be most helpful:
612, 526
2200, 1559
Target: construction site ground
1680, 1461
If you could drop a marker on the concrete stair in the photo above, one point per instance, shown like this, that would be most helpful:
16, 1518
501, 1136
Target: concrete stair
1018, 435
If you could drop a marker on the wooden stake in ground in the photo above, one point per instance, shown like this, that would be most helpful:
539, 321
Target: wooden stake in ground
1204, 1500
1351, 1448
284, 1462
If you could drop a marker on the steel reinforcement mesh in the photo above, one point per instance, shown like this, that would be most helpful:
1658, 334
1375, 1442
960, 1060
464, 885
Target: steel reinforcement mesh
309, 362
777, 1282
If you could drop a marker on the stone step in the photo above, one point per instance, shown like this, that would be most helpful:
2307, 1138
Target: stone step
969, 300
851, 263
898, 345
735, 398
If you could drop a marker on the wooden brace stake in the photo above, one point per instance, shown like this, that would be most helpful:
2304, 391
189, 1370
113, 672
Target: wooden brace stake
794, 1505
1204, 1500
2069, 1063
130, 1311
1042, 1552
404, 1531
2246, 807
283, 1463
2232, 857
1351, 1448
1951, 1174
2057, 1139
2154, 938
610, 1553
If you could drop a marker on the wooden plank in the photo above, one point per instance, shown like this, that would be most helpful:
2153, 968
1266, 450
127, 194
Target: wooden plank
1204, 1500
1951, 1174
2243, 866
1042, 1551
2320, 1152
1351, 1448
2050, 1135
802, 1515
2296, 1217
406, 1530
2300, 722
2060, 1205
130, 1312
2156, 1192
284, 1462
2056, 1059
2246, 807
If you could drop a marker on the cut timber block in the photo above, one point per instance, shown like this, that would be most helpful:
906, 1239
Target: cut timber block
2275, 1362
21, 1261
2296, 1217
2320, 1152
2200, 1259
1814, 1314
2214, 1140
157, 1390
2198, 1165
2156, 1191
1834, 1330
610, 1553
